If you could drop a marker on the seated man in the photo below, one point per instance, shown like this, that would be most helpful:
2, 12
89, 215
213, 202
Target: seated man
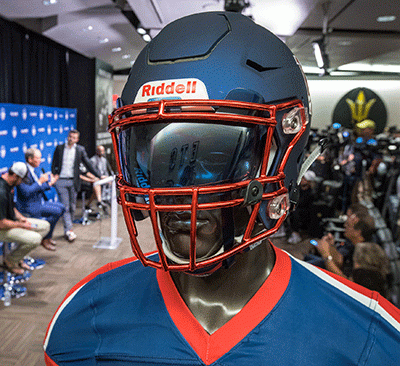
31, 199
28, 233
103, 166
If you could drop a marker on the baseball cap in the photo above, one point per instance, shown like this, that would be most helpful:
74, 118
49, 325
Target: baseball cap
19, 168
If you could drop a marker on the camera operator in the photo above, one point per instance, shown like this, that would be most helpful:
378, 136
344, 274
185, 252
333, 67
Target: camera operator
359, 227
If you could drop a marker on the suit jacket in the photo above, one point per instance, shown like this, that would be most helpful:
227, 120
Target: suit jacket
80, 157
30, 195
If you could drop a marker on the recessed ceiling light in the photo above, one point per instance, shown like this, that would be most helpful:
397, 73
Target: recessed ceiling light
141, 30
126, 56
104, 40
49, 2
386, 18
146, 38
117, 49
345, 43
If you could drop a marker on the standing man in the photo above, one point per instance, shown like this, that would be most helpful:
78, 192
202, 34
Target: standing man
28, 233
31, 198
65, 168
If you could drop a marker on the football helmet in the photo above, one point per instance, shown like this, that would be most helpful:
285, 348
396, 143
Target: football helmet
209, 136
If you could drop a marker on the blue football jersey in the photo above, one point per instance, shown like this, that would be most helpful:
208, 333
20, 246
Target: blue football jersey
127, 314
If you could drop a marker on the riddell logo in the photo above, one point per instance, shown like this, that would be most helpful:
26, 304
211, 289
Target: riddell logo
172, 89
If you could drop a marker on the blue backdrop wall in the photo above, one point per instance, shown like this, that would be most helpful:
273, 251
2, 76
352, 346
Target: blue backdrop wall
25, 126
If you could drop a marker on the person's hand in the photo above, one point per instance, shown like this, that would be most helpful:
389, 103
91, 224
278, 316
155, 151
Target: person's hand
53, 179
324, 245
44, 178
26, 225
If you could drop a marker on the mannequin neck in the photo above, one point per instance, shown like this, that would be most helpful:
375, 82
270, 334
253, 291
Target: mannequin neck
217, 298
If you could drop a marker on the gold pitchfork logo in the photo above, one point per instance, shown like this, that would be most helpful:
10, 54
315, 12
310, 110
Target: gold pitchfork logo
360, 107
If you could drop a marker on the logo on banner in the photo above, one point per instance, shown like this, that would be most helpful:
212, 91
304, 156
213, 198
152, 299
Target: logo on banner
3, 151
55, 116
41, 145
3, 113
358, 105
24, 147
49, 159
48, 129
41, 114
60, 129
24, 114
172, 89
55, 142
66, 115
33, 130
14, 132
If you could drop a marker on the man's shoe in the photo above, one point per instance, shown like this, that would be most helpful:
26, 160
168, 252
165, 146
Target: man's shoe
70, 236
47, 245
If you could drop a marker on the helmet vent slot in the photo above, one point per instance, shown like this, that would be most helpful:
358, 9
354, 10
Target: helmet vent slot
258, 67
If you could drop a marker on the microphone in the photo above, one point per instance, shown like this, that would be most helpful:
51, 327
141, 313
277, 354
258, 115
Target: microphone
43, 171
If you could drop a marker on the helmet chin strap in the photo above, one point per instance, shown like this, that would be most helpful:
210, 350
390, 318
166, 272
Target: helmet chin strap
322, 144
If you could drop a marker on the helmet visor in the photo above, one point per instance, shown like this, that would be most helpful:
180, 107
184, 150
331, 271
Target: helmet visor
185, 154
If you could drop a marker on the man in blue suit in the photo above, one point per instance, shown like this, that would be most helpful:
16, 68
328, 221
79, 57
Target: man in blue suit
31, 199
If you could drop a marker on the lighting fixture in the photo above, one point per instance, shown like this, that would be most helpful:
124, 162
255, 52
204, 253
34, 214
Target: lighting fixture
320, 55
126, 56
49, 2
116, 49
386, 18
146, 37
141, 30
104, 40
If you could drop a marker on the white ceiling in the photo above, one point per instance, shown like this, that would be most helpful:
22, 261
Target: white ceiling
354, 35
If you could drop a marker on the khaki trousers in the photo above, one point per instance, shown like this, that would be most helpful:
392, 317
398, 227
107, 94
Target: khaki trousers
27, 240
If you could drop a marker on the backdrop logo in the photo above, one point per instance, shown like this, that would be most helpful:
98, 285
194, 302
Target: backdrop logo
360, 104
24, 147
24, 114
3, 114
41, 145
33, 130
55, 116
3, 151
41, 114
48, 129
14, 132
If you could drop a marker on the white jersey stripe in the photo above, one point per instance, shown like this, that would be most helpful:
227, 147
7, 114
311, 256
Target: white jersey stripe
365, 300
56, 315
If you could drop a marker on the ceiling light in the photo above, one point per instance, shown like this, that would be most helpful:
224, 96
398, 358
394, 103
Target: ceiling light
370, 67
116, 49
141, 30
146, 37
386, 18
320, 55
126, 56
49, 2
345, 43
104, 40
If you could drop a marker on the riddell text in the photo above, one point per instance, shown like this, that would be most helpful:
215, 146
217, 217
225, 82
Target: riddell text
171, 88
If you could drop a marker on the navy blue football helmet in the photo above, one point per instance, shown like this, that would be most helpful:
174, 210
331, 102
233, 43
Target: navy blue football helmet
211, 128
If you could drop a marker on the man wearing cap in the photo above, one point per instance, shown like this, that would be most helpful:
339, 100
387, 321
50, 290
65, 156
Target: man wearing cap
28, 233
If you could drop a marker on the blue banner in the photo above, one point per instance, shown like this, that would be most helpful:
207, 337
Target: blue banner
25, 126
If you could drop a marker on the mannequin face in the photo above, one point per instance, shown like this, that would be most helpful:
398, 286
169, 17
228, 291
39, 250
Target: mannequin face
176, 230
